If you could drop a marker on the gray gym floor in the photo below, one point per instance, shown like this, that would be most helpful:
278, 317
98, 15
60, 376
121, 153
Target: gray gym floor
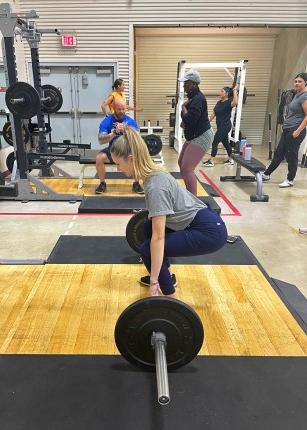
269, 229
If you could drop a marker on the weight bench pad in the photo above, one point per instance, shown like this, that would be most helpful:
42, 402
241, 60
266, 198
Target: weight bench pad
253, 165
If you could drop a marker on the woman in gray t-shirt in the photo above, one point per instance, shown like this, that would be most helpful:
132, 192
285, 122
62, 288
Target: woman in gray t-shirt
179, 224
294, 132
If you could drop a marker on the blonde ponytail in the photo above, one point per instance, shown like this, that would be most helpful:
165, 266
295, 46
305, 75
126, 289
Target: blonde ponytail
131, 143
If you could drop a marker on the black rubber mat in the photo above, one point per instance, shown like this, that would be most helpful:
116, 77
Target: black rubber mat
295, 301
126, 204
105, 392
115, 250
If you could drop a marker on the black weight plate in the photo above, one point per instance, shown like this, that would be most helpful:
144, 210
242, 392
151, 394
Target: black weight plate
10, 159
8, 136
29, 106
172, 119
7, 133
154, 144
55, 99
171, 138
244, 95
134, 230
179, 322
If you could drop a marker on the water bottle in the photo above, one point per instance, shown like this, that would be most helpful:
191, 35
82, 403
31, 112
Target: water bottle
242, 143
243, 150
248, 153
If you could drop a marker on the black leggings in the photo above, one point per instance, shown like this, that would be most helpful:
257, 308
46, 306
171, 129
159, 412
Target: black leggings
221, 135
288, 148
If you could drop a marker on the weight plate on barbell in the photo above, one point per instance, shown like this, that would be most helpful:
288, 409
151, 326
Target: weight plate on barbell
153, 143
55, 99
134, 230
8, 136
10, 159
172, 119
22, 100
171, 138
180, 324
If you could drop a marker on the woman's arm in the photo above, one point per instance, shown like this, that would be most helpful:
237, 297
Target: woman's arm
105, 106
303, 124
156, 251
235, 96
134, 108
212, 116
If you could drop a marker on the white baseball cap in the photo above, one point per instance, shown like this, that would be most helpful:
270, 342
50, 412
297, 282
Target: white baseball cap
190, 75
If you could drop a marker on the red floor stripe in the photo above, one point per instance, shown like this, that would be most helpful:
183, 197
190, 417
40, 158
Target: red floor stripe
232, 207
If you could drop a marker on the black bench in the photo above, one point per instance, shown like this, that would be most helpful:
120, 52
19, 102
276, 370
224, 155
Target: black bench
255, 167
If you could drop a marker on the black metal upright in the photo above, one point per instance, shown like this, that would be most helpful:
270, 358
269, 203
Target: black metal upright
10, 66
42, 141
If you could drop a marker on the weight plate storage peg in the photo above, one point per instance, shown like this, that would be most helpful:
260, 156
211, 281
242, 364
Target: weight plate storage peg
154, 144
22, 100
134, 230
52, 99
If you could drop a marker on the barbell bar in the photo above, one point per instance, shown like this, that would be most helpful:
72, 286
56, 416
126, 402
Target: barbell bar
24, 101
157, 334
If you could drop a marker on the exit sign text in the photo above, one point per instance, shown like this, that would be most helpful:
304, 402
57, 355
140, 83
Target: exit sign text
69, 40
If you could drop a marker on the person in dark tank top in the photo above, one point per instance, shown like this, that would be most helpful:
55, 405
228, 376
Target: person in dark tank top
222, 114
294, 132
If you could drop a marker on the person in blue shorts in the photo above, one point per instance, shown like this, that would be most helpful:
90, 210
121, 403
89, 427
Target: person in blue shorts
110, 129
179, 224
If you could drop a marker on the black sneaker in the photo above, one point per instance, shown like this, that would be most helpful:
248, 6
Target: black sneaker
137, 188
208, 163
229, 162
102, 188
145, 280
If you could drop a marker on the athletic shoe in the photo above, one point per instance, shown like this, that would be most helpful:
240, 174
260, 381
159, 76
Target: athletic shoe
145, 280
229, 162
208, 163
303, 230
137, 188
102, 188
264, 176
286, 184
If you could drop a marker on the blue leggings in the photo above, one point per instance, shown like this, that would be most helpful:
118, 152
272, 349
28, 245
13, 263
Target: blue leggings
207, 233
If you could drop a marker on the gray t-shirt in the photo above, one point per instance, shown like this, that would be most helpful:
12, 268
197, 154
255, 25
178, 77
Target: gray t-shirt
164, 196
296, 112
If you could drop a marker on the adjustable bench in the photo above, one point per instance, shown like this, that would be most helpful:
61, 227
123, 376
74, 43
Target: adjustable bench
255, 167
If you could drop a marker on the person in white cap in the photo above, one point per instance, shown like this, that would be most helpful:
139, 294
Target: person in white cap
197, 129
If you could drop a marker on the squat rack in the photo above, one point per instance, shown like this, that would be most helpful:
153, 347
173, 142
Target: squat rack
27, 187
240, 74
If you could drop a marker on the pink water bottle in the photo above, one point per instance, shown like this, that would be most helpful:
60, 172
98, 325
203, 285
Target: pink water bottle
248, 153
243, 151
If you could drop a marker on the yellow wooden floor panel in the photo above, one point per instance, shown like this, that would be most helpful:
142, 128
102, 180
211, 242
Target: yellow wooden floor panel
115, 187
72, 309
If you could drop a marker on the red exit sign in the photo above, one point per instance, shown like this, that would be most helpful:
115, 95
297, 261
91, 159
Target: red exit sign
69, 40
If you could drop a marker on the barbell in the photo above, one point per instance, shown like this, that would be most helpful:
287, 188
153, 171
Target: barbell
159, 333
24, 101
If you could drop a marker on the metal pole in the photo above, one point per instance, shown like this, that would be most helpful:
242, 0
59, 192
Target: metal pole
158, 341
